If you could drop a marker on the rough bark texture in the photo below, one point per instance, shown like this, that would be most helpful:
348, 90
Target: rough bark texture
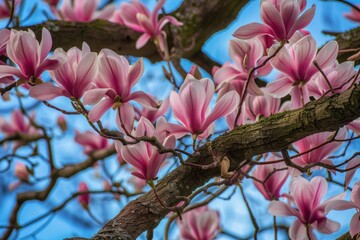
271, 134
348, 40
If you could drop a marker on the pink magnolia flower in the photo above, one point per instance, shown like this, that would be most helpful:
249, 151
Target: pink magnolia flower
4, 38
353, 203
320, 154
143, 156
306, 197
354, 15
199, 224
152, 114
296, 64
84, 10
24, 50
6, 7
91, 141
18, 124
113, 87
136, 16
73, 78
281, 20
21, 172
270, 189
338, 77
261, 106
246, 55
191, 107
84, 198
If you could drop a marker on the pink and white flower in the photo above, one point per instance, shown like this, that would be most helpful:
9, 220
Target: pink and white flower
18, 125
191, 107
84, 10
262, 105
73, 78
281, 18
113, 88
245, 55
295, 62
320, 154
136, 16
199, 224
91, 141
143, 156
270, 189
84, 198
306, 197
30, 56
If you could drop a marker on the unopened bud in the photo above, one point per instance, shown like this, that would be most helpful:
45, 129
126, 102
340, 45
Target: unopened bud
21, 172
61, 122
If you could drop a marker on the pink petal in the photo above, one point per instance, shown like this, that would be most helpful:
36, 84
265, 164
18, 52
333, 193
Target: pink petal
45, 44
327, 55
284, 62
8, 71
142, 40
94, 96
227, 104
252, 30
144, 99
86, 72
105, 13
289, 10
127, 114
327, 226
278, 208
303, 20
280, 87
135, 72
305, 51
355, 225
47, 91
271, 17
297, 231
99, 109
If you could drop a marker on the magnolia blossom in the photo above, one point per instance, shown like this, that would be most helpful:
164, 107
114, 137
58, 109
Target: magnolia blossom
320, 154
310, 212
153, 114
354, 203
113, 88
73, 78
296, 64
354, 15
246, 55
338, 76
143, 156
136, 16
199, 224
24, 50
6, 7
91, 141
281, 18
270, 189
84, 198
61, 122
191, 107
261, 106
18, 124
84, 10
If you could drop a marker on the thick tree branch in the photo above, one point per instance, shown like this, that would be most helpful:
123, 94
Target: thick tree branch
270, 134
201, 19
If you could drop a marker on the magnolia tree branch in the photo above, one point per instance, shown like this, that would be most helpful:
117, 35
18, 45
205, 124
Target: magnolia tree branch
201, 19
271, 134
